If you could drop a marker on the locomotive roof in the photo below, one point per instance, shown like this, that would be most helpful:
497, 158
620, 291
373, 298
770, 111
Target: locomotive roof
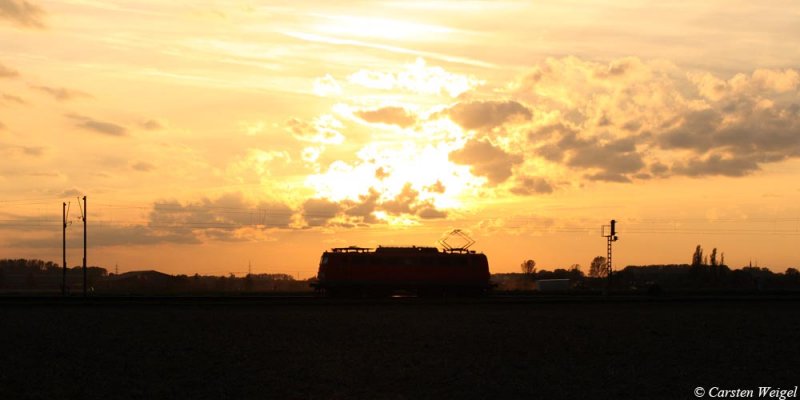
396, 250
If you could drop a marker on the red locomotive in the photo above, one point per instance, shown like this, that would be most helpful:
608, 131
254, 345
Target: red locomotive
424, 271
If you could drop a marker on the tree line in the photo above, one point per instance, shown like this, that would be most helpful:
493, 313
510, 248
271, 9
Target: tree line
704, 271
37, 276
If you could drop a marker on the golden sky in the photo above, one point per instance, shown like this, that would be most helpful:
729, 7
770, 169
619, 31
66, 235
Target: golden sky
212, 134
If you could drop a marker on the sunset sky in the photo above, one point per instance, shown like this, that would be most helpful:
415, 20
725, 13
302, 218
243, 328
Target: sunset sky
207, 135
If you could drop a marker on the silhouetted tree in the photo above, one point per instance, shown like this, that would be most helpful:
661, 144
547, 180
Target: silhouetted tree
697, 257
597, 269
528, 267
714, 257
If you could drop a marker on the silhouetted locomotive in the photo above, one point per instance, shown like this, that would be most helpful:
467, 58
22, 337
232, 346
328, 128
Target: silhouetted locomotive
424, 271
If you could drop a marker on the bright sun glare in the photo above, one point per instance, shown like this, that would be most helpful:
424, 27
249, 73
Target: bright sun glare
379, 28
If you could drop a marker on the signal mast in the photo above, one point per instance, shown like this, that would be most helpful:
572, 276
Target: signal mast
611, 236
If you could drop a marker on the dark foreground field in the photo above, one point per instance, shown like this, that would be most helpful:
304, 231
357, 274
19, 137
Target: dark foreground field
396, 350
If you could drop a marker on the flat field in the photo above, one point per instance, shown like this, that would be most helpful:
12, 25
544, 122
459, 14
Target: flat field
403, 349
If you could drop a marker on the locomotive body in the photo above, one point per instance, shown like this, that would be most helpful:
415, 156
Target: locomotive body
387, 270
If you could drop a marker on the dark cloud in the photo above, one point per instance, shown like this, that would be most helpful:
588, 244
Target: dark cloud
437, 187
61, 94
22, 13
408, 202
487, 114
487, 160
30, 151
718, 144
430, 212
616, 68
734, 146
152, 125
6, 72
230, 218
716, 164
388, 115
607, 176
617, 157
34, 151
9, 98
530, 185
403, 202
318, 212
627, 120
103, 234
229, 212
613, 159
143, 166
381, 173
71, 193
324, 131
105, 128
658, 169
362, 211
695, 131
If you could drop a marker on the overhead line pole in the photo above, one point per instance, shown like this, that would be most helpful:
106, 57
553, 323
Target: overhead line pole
84, 246
64, 248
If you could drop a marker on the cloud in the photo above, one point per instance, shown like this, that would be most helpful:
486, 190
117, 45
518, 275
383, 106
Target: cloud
614, 159
105, 128
487, 160
381, 173
70, 193
365, 209
317, 212
152, 125
143, 166
408, 202
388, 115
34, 151
30, 151
229, 209
716, 164
628, 119
61, 94
229, 217
327, 86
9, 98
403, 202
437, 187
431, 213
22, 13
615, 156
736, 139
487, 114
417, 78
530, 185
6, 72
323, 129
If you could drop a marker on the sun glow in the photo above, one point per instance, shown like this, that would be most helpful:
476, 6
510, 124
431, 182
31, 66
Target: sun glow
388, 169
380, 28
